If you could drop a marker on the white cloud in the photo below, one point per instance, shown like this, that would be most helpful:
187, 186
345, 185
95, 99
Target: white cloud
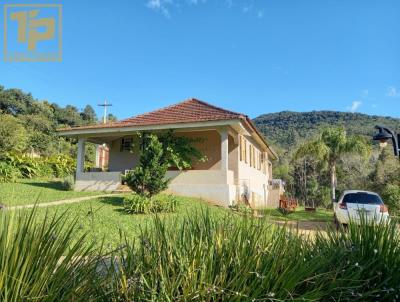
166, 7
392, 92
161, 6
354, 106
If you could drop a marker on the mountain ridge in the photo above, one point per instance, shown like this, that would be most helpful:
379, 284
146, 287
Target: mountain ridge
287, 129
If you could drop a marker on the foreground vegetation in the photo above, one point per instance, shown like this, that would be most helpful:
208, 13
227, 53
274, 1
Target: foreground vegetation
201, 258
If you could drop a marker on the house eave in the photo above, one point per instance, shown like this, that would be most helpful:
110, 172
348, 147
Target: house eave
87, 132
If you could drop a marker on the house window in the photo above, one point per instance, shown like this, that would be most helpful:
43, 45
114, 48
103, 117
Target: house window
126, 144
262, 163
251, 156
255, 157
242, 151
245, 151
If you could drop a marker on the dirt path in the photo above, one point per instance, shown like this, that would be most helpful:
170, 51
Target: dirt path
58, 202
307, 227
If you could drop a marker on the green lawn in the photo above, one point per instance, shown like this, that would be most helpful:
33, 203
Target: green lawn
33, 190
105, 217
300, 214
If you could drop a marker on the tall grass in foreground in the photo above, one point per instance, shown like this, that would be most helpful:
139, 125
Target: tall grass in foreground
39, 262
201, 258
239, 259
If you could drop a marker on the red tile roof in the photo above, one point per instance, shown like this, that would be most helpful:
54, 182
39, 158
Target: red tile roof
191, 110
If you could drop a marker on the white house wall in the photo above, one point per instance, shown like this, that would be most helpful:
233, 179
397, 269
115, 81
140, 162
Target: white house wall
206, 180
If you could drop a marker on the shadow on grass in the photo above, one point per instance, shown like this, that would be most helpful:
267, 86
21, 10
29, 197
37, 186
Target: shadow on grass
53, 184
115, 201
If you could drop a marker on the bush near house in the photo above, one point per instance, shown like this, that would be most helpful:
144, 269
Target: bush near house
138, 204
14, 166
148, 178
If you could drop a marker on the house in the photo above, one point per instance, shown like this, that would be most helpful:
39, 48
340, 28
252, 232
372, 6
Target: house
238, 165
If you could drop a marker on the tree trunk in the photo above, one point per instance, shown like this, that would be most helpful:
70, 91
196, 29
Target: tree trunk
333, 180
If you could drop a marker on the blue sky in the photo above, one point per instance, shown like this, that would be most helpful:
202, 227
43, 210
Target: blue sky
249, 56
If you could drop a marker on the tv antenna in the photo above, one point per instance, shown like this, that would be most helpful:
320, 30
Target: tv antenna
105, 105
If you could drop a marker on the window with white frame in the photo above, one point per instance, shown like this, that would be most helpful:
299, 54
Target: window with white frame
126, 144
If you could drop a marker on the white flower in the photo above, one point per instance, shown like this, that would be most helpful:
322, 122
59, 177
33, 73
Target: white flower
375, 251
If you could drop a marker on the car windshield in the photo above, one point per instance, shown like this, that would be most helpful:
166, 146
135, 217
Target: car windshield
362, 198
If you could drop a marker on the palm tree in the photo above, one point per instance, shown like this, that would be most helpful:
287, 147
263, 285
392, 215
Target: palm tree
330, 146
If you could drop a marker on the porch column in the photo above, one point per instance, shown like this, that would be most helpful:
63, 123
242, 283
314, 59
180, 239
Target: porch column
224, 149
80, 161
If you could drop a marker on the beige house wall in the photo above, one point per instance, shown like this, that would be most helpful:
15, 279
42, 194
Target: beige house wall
209, 145
253, 182
123, 160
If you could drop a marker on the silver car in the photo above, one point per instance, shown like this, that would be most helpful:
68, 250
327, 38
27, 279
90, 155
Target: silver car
354, 204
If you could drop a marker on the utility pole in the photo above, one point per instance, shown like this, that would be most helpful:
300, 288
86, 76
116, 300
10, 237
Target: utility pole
105, 105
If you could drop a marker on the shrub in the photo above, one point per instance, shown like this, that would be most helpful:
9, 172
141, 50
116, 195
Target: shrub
139, 204
158, 154
8, 173
25, 166
148, 178
391, 197
13, 135
61, 165
242, 209
68, 183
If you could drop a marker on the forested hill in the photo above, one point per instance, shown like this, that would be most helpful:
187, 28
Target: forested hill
287, 129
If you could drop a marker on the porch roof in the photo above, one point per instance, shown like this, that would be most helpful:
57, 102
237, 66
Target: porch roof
190, 113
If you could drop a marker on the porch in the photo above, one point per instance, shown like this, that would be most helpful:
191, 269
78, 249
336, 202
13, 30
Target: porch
212, 180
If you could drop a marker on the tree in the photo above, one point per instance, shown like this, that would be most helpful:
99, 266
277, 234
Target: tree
13, 136
89, 115
39, 142
148, 178
387, 169
111, 118
158, 153
178, 151
391, 196
330, 146
15, 101
67, 116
